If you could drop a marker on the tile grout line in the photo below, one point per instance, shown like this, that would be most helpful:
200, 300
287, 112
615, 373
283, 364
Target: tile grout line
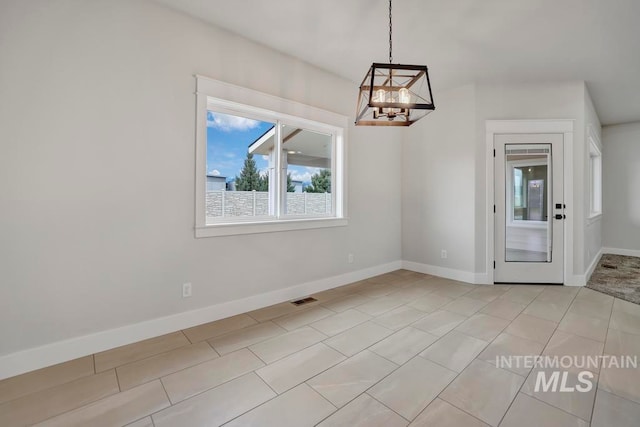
559, 409
254, 372
382, 403
444, 388
284, 331
305, 324
82, 406
165, 393
117, 379
330, 367
541, 352
211, 347
598, 381
367, 389
64, 382
184, 335
345, 330
207, 390
476, 358
449, 403
147, 357
417, 355
459, 373
398, 366
247, 347
198, 364
163, 353
604, 346
263, 403
286, 355
368, 348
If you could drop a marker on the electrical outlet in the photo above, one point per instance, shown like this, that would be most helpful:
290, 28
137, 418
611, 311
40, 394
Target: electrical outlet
443, 254
186, 290
350, 258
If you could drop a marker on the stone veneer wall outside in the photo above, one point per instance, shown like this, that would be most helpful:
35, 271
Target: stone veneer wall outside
256, 203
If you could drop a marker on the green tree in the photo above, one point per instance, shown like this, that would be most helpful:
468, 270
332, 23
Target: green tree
290, 187
320, 182
263, 185
250, 178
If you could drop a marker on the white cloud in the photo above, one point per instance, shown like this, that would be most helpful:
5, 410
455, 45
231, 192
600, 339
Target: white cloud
304, 176
214, 172
227, 123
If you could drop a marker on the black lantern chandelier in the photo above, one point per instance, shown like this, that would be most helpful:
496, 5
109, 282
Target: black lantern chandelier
394, 94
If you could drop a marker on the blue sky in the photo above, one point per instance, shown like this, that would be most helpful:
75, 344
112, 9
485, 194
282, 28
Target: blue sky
229, 137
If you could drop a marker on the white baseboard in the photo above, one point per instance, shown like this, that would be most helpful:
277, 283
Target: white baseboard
582, 279
575, 280
482, 279
592, 266
62, 351
618, 251
448, 273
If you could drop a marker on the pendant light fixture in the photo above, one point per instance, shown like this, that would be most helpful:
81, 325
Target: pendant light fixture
394, 94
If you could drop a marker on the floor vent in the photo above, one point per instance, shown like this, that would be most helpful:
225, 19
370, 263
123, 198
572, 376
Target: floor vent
303, 301
612, 267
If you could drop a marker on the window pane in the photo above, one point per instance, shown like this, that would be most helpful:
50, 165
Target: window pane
306, 157
237, 173
527, 229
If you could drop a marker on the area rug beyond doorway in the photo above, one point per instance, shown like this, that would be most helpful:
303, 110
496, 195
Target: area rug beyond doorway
619, 276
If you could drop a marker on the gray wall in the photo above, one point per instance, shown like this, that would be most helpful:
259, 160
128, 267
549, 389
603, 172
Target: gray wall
621, 186
97, 157
438, 204
592, 226
444, 170
531, 101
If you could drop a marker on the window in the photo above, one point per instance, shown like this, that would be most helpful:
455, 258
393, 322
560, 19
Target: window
595, 176
262, 168
527, 176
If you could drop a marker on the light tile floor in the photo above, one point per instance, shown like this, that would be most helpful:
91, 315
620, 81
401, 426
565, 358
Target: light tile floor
395, 350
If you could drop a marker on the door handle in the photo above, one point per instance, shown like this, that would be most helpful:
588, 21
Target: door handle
559, 216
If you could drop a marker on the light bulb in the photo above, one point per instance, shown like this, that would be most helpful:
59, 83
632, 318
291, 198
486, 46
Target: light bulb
403, 96
380, 96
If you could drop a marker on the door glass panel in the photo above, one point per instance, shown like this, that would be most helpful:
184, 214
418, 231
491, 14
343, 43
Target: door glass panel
527, 198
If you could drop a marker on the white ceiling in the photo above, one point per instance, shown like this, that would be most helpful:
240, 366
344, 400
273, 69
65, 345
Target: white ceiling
461, 41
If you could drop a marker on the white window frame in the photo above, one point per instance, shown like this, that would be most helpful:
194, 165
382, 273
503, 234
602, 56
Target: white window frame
230, 99
595, 175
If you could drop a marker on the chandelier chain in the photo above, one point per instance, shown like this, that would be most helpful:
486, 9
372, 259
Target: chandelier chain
390, 32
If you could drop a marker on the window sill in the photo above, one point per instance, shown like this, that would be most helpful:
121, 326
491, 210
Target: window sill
218, 230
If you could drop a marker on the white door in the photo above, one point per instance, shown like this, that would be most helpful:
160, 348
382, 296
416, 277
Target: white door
529, 208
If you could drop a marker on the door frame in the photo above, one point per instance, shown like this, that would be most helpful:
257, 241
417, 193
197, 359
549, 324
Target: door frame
563, 126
